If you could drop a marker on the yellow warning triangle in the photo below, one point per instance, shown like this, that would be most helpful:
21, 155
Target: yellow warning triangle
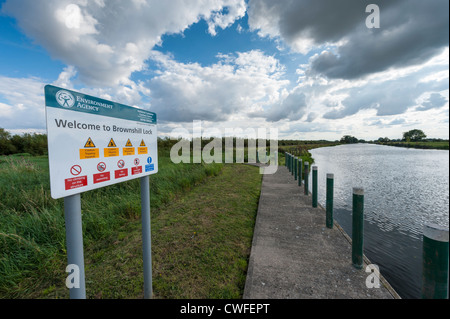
89, 143
128, 143
142, 143
112, 143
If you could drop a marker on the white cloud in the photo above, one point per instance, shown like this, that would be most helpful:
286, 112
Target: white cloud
106, 41
411, 32
236, 85
22, 105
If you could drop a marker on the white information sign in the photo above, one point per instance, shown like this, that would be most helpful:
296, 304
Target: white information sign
93, 143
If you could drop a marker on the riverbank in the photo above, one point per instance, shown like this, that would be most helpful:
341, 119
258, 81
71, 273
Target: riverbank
441, 145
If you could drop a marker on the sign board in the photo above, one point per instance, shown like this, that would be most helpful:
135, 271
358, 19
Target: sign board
93, 143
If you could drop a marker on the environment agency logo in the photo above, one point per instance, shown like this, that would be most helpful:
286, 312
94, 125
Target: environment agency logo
65, 99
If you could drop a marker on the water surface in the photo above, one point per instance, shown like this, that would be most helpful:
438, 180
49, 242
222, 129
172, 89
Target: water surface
404, 189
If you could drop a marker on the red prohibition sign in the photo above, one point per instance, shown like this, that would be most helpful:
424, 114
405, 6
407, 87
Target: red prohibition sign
121, 163
75, 170
101, 167
136, 161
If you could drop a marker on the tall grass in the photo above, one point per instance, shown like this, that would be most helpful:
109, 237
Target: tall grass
32, 230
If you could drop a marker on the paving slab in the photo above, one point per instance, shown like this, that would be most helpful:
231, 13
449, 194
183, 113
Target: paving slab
295, 256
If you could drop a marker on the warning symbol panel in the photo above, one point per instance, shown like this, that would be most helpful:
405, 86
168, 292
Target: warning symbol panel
89, 143
89, 150
128, 149
142, 149
112, 150
112, 143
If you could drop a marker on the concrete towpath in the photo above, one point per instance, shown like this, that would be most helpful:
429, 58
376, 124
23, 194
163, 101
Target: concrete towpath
295, 256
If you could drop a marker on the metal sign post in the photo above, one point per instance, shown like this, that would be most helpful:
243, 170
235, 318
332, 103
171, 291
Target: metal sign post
94, 143
146, 236
74, 243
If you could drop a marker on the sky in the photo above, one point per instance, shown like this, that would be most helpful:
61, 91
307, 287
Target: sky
311, 69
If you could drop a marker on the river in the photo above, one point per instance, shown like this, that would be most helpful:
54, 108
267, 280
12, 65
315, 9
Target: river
404, 189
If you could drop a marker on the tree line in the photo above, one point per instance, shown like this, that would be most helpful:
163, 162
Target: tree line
33, 144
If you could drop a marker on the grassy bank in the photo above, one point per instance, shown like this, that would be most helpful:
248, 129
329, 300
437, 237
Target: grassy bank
441, 145
302, 148
32, 233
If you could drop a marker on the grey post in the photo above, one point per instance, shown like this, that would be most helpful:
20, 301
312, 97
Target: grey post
358, 228
74, 242
146, 236
435, 262
329, 201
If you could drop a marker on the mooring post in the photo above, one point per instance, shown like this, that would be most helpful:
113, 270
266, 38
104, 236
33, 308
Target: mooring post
289, 162
146, 237
435, 262
295, 167
358, 227
292, 164
300, 167
329, 201
306, 165
74, 243
315, 187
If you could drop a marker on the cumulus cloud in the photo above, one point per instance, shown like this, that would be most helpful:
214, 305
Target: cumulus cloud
436, 100
106, 41
22, 104
235, 85
411, 32
293, 107
388, 97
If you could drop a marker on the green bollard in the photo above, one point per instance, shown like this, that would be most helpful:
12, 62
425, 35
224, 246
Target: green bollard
289, 163
315, 187
295, 167
358, 228
306, 165
300, 164
435, 262
329, 201
292, 165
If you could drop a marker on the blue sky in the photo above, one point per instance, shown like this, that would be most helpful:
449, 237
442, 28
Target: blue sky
313, 70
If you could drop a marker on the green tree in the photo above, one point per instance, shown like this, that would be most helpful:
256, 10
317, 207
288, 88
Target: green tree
414, 135
384, 140
6, 147
348, 139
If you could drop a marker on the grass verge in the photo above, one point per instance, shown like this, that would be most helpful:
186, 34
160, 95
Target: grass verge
202, 226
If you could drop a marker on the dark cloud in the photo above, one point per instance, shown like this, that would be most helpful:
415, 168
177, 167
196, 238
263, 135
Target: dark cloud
435, 100
389, 97
411, 32
293, 108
